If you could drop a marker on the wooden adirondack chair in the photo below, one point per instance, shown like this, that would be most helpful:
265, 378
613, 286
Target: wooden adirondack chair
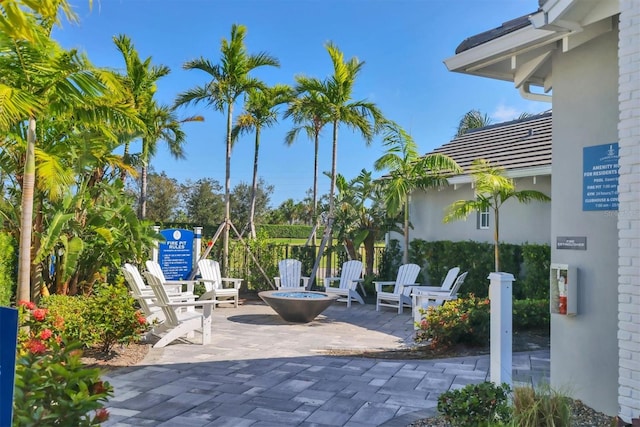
422, 299
177, 322
400, 296
214, 283
291, 278
351, 271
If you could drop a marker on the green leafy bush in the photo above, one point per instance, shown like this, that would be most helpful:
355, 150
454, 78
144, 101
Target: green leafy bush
531, 314
102, 320
534, 280
7, 263
465, 320
476, 405
52, 386
113, 318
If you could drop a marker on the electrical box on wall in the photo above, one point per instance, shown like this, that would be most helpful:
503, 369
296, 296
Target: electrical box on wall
564, 289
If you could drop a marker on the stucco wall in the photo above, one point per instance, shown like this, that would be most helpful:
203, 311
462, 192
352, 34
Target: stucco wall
519, 223
629, 212
585, 113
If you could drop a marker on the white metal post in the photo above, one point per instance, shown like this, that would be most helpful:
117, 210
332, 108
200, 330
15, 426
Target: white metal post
197, 245
154, 251
500, 294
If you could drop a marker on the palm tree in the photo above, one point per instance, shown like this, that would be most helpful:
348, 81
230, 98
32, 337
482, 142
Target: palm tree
309, 116
335, 99
492, 190
472, 119
229, 80
161, 124
44, 80
259, 112
408, 171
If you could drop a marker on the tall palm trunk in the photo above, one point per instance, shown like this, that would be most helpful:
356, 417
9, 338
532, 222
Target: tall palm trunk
314, 212
143, 179
254, 186
227, 193
405, 254
26, 216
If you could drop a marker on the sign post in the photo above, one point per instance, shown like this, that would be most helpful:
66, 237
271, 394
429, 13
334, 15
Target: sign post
8, 344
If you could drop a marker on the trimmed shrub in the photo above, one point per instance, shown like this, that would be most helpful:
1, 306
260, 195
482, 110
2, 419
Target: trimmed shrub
531, 314
476, 405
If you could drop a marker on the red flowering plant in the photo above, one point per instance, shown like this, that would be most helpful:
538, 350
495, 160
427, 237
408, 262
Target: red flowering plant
52, 386
462, 321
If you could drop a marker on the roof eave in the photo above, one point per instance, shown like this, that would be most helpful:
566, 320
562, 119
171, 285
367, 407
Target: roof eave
509, 173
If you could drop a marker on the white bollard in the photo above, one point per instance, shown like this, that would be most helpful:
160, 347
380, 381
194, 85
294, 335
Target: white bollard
500, 295
197, 244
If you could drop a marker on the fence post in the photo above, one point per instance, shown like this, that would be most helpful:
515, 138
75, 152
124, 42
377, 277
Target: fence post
500, 295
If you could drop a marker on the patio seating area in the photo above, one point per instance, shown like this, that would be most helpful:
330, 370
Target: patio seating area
260, 370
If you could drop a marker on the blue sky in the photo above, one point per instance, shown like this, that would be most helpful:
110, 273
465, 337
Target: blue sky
402, 42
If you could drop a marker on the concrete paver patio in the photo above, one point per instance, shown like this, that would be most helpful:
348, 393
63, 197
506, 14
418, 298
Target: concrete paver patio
263, 371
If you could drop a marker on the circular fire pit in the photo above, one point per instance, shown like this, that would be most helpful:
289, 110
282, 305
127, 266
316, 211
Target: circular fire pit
297, 306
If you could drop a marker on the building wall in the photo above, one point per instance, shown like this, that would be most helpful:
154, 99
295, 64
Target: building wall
629, 212
585, 110
519, 223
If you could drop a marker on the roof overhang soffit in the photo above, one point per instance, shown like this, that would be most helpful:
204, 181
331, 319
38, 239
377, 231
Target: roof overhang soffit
524, 56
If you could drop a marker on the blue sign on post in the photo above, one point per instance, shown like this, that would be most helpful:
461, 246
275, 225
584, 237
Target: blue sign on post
175, 254
600, 177
8, 344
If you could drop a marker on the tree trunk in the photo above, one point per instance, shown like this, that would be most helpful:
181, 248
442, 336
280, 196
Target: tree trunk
369, 250
405, 254
26, 216
143, 181
254, 186
227, 194
315, 187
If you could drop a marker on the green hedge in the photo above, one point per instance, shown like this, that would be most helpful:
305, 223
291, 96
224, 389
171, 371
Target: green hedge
271, 231
529, 263
7, 270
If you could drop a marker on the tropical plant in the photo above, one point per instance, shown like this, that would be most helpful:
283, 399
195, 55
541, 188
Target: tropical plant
407, 172
160, 122
229, 80
67, 392
259, 112
476, 405
242, 192
308, 113
472, 119
492, 190
360, 215
43, 80
335, 96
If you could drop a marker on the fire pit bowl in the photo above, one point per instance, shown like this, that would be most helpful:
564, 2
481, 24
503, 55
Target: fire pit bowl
297, 306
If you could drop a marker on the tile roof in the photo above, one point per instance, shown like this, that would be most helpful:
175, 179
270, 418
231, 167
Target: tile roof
486, 36
516, 144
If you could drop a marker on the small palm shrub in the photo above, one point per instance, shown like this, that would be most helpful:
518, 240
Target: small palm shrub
476, 405
52, 386
461, 321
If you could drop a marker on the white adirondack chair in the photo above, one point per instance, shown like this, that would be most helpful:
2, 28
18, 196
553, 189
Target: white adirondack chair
214, 283
422, 299
177, 322
145, 295
155, 268
144, 298
351, 271
291, 278
400, 296
448, 281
